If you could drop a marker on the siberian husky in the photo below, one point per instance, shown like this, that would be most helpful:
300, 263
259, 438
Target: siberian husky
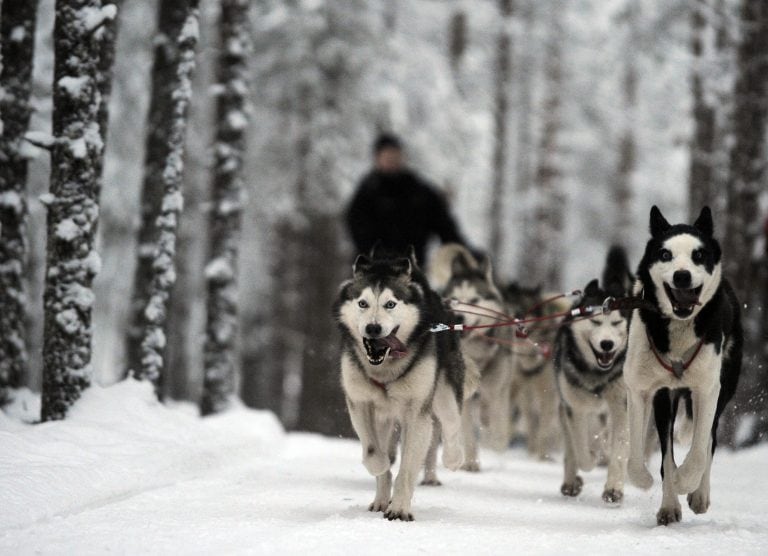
470, 286
685, 342
589, 358
395, 372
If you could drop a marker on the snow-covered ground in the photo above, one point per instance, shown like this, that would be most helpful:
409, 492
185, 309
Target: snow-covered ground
127, 475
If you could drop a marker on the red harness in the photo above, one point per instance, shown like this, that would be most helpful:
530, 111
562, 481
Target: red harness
378, 384
677, 367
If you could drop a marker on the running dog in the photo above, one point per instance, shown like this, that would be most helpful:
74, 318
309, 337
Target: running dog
685, 343
469, 284
395, 372
589, 359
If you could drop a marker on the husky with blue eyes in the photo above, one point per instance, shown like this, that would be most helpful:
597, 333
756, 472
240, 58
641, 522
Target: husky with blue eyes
589, 360
685, 344
396, 373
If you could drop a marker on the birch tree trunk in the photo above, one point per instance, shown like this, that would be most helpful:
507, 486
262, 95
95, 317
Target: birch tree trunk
17, 41
541, 258
73, 205
220, 355
161, 197
501, 126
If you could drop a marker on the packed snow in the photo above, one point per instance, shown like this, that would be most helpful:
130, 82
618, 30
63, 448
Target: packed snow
127, 474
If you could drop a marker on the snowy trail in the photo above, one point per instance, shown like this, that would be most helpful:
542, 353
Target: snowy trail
241, 490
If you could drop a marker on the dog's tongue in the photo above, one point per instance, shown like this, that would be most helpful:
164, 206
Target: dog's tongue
686, 298
396, 347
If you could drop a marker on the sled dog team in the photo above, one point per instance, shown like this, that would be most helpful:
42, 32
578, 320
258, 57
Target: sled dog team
594, 378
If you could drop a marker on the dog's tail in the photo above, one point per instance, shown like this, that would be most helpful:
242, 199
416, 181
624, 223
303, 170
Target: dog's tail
617, 277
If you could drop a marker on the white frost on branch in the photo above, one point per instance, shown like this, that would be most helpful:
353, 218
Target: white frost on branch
68, 321
18, 33
93, 17
219, 270
173, 202
236, 120
73, 85
40, 138
11, 200
67, 230
78, 148
191, 29
79, 295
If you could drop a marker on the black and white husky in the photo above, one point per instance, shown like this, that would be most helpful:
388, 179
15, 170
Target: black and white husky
589, 360
394, 371
684, 343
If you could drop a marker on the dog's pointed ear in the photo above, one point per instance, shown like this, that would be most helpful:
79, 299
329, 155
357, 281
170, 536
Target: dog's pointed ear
362, 263
403, 267
592, 288
459, 265
485, 266
704, 222
659, 224
412, 256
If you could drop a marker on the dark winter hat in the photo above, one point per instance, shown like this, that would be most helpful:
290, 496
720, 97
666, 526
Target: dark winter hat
386, 141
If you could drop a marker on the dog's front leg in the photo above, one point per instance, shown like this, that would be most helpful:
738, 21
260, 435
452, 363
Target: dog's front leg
639, 412
415, 438
375, 457
430, 465
577, 423
470, 417
698, 500
688, 476
572, 483
617, 414
448, 412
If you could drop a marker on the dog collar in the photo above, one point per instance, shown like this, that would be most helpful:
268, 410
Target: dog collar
676, 367
378, 384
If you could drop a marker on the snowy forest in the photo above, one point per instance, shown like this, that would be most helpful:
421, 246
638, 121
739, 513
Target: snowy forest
174, 176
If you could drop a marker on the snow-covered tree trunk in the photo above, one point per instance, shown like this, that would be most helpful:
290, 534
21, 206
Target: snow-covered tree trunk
702, 185
744, 221
161, 197
73, 204
17, 38
502, 78
542, 256
220, 354
747, 157
625, 167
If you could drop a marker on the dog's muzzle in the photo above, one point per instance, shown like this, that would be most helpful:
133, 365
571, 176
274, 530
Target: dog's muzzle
377, 349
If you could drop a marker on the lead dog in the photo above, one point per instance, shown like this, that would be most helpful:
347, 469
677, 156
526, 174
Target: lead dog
684, 343
394, 371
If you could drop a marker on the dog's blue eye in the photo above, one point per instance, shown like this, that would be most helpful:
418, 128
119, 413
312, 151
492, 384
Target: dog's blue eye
390, 305
665, 255
596, 322
697, 256
362, 304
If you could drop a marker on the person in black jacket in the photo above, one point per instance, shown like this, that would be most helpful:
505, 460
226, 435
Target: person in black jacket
394, 208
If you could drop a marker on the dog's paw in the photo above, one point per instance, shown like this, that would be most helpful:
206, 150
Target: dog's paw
665, 516
471, 466
394, 512
574, 488
612, 495
378, 505
375, 462
430, 479
639, 476
686, 478
698, 501
453, 456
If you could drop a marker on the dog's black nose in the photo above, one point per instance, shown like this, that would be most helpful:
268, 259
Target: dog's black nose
682, 279
606, 345
373, 329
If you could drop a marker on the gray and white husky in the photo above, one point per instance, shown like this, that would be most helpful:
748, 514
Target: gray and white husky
395, 372
685, 343
469, 283
589, 359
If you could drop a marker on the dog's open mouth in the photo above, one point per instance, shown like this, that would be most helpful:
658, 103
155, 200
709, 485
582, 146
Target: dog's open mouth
604, 358
377, 349
683, 300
